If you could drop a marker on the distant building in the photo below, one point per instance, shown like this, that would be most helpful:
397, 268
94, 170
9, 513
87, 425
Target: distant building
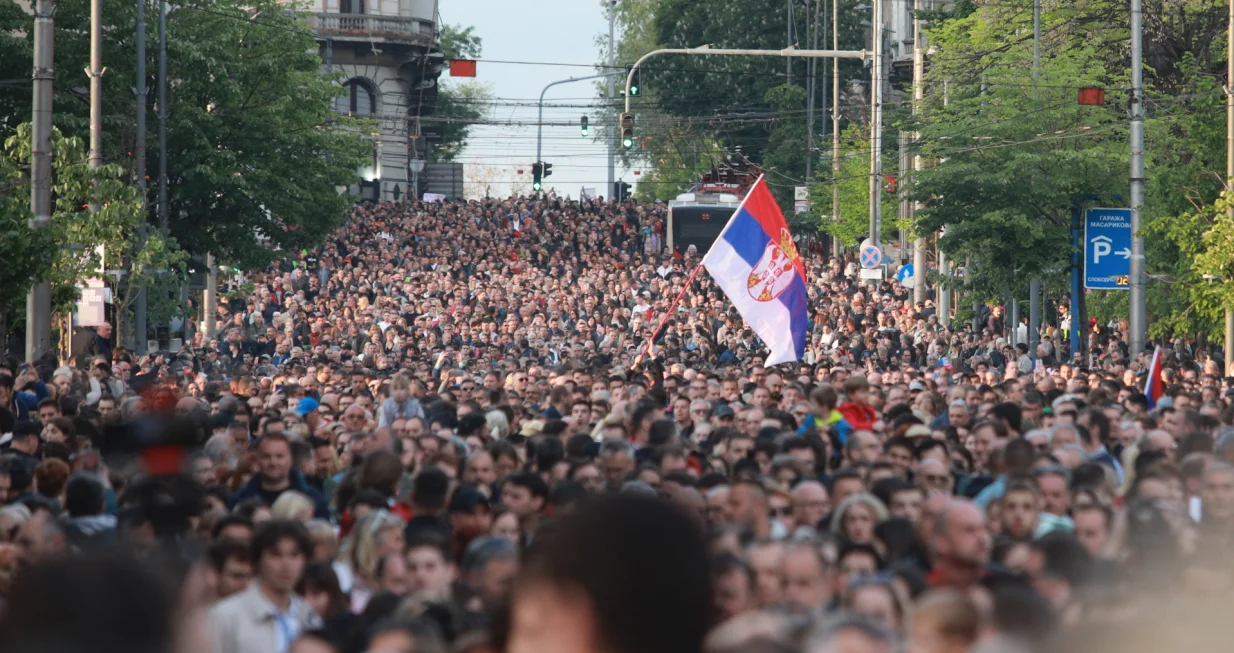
389, 55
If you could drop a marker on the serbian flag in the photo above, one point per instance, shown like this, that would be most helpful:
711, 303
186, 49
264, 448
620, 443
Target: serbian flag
1152, 387
756, 263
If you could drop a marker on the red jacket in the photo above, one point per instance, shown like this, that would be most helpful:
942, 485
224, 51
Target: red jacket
859, 416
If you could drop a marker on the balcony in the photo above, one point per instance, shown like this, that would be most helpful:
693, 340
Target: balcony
379, 29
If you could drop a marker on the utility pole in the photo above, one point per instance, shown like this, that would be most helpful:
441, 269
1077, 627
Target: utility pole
139, 302
96, 86
1229, 177
919, 244
614, 129
944, 266
38, 302
95, 73
812, 66
876, 126
540, 113
162, 100
1139, 321
1034, 285
788, 43
212, 296
835, 123
905, 211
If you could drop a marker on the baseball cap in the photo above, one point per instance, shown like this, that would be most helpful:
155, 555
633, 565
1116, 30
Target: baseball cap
306, 406
916, 386
723, 410
917, 431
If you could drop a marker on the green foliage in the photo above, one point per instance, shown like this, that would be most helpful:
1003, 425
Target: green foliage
693, 112
458, 42
254, 148
1008, 159
853, 184
460, 103
29, 253
69, 251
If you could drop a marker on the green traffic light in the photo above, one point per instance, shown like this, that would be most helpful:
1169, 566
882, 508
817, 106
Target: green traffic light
633, 89
535, 185
628, 142
584, 131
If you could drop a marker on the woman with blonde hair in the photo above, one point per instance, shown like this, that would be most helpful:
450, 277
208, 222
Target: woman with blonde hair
375, 535
293, 505
854, 519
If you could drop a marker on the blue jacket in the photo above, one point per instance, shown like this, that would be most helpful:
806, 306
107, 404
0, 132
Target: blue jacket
252, 490
25, 401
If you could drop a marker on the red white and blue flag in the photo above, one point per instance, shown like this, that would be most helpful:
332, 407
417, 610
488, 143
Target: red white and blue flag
756, 263
1152, 386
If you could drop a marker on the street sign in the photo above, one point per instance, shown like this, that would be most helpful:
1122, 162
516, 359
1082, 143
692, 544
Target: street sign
906, 276
1107, 249
871, 257
876, 274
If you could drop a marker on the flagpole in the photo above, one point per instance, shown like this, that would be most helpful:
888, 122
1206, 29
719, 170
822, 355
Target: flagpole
664, 320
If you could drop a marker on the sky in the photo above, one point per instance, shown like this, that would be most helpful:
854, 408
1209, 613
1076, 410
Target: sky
549, 31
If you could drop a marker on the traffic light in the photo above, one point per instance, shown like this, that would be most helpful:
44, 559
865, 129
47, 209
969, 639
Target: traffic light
546, 170
582, 124
633, 80
627, 130
536, 176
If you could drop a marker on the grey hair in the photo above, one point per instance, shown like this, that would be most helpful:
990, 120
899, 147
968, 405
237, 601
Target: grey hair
614, 446
483, 550
218, 448
1071, 427
128, 409
820, 639
496, 424
639, 488
864, 498
1225, 439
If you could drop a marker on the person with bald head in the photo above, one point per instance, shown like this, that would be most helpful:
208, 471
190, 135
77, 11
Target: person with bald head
935, 476
959, 545
810, 504
188, 406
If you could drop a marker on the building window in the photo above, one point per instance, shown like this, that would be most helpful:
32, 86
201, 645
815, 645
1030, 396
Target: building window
359, 100
351, 6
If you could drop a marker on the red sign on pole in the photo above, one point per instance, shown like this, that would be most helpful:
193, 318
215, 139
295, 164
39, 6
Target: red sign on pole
1092, 96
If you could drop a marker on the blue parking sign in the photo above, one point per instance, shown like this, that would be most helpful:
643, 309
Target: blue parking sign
1107, 249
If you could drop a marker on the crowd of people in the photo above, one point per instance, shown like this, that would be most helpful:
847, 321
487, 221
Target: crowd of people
522, 425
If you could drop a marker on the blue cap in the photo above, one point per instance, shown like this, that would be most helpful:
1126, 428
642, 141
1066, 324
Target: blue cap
306, 406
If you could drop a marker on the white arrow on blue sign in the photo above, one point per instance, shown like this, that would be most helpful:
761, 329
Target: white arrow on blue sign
906, 276
1107, 249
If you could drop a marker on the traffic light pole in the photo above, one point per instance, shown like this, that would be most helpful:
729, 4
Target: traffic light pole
708, 50
540, 118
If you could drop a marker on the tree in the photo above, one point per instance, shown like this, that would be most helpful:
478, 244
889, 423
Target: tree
693, 112
254, 147
69, 250
1008, 159
853, 181
28, 252
459, 104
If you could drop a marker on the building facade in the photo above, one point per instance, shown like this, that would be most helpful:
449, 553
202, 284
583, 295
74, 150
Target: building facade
387, 52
